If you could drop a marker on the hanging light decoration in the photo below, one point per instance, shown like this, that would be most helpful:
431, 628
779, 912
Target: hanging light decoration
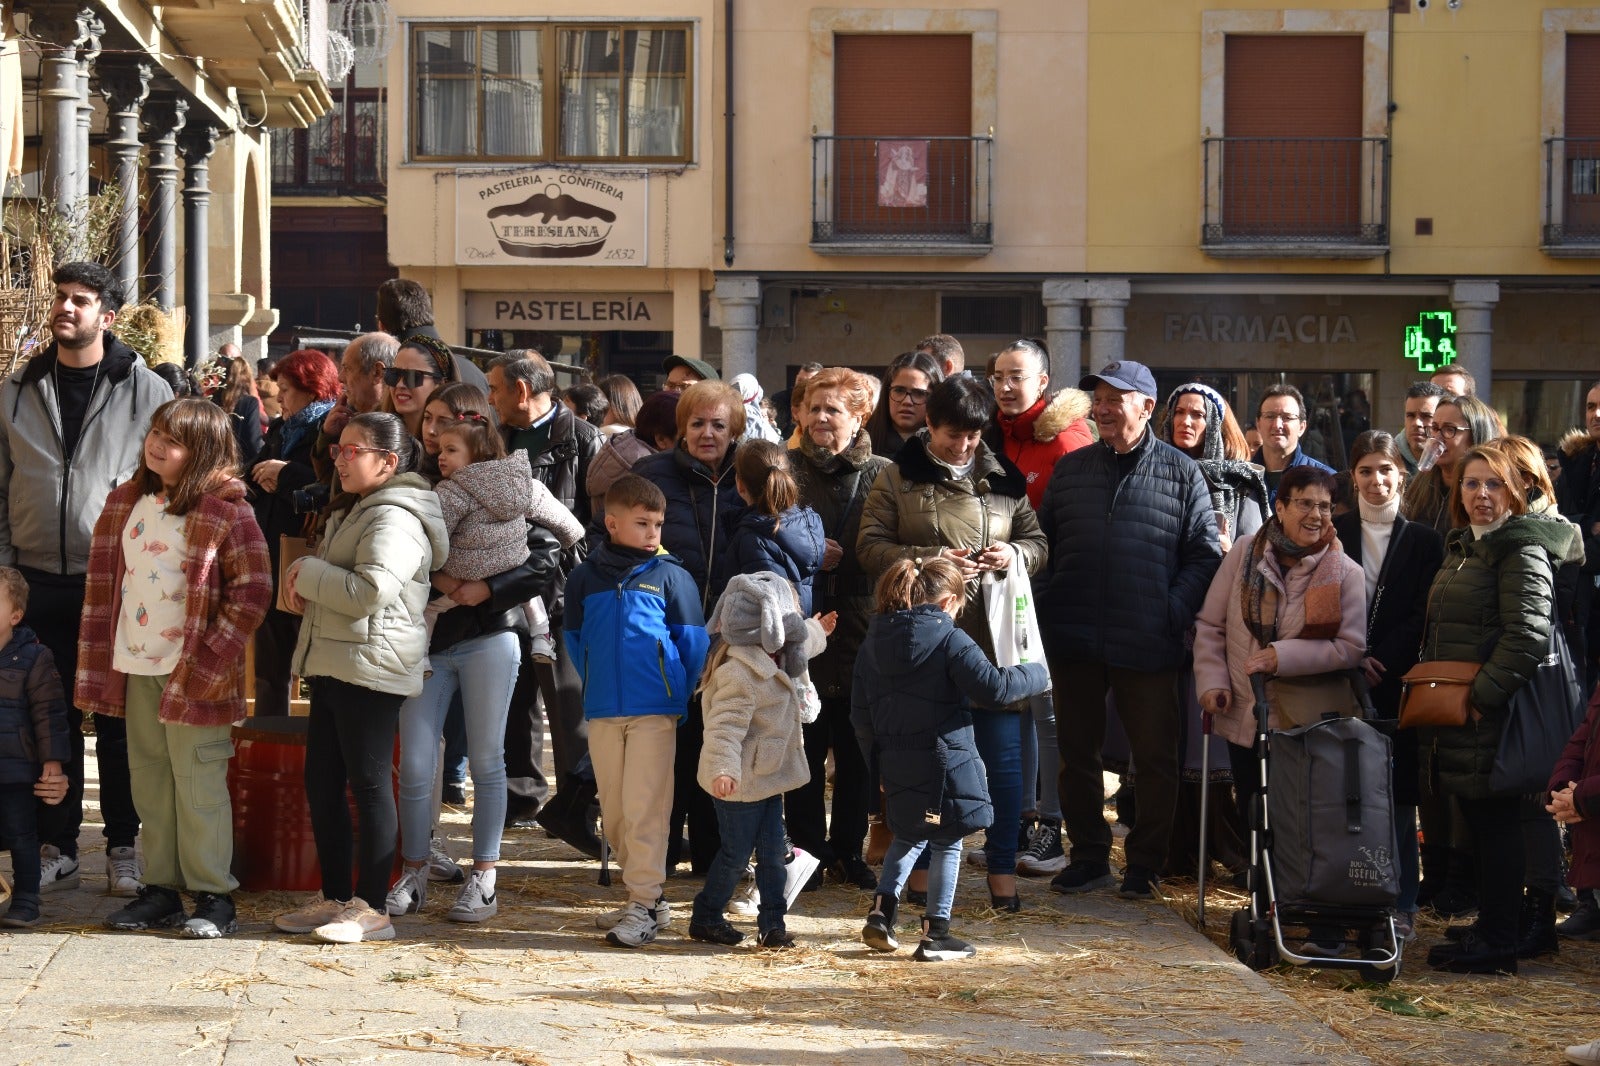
370, 26
341, 57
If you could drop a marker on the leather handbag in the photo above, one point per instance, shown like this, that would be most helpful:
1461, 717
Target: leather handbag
1437, 693
1540, 719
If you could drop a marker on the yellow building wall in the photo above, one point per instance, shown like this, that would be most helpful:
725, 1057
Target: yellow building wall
783, 85
1466, 142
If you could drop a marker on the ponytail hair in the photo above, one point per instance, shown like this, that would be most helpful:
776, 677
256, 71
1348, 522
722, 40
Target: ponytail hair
763, 468
480, 435
909, 583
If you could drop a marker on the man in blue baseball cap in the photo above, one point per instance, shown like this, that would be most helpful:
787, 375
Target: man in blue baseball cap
1133, 547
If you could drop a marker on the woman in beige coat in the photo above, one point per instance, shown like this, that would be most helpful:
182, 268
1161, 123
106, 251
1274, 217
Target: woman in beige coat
948, 495
1286, 602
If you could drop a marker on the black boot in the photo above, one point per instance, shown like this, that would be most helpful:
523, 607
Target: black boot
1584, 922
23, 912
1536, 927
1459, 896
938, 945
156, 908
878, 933
1473, 954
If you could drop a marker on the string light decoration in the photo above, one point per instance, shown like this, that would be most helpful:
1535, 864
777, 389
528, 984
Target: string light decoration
370, 26
341, 57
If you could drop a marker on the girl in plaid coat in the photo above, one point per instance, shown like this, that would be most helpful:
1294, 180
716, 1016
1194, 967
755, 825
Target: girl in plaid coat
178, 581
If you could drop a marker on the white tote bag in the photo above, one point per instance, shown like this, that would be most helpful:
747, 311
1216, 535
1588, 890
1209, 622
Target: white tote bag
1013, 622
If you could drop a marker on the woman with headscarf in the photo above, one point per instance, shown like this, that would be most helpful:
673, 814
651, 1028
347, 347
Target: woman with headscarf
757, 426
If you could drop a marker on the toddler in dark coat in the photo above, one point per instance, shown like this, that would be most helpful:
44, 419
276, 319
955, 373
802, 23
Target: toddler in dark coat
912, 721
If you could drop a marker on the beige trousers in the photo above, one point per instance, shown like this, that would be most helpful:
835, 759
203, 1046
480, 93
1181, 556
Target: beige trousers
632, 760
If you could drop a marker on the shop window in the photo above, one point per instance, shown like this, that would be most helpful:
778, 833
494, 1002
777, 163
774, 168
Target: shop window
995, 316
543, 93
1540, 409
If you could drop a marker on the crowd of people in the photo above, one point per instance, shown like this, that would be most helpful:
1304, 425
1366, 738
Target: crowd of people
708, 598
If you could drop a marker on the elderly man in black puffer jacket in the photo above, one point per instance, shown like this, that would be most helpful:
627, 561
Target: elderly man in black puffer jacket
1133, 547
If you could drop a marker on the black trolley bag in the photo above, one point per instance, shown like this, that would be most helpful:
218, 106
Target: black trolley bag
1322, 844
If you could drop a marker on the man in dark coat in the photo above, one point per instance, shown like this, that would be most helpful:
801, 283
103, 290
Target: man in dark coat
1133, 547
1578, 494
559, 447
405, 310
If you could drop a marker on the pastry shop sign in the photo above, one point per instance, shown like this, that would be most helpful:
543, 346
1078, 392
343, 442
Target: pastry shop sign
550, 215
570, 311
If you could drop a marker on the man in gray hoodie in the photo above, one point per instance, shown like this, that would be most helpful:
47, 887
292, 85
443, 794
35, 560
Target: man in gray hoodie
72, 426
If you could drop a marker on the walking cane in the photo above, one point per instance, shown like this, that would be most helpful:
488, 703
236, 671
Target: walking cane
1205, 796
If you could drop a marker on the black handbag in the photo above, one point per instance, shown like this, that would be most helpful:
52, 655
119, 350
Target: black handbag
1541, 718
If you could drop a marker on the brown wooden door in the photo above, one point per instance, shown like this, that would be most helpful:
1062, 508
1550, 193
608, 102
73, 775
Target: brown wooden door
1296, 102
894, 94
1581, 170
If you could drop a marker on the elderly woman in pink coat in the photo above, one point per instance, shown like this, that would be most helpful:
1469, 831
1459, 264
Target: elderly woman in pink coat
1286, 602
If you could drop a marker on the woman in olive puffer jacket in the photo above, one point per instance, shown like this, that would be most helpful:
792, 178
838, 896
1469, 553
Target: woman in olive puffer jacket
1493, 603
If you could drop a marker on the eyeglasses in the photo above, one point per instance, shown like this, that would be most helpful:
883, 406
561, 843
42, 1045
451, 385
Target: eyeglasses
350, 451
1009, 381
904, 392
1305, 506
1447, 430
1471, 485
1276, 418
412, 379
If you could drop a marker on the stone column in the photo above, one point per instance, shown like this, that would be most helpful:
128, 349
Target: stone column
1473, 302
739, 299
1063, 328
125, 84
87, 55
1108, 324
60, 31
196, 143
163, 118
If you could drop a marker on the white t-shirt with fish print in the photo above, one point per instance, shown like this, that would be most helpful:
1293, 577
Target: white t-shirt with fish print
154, 586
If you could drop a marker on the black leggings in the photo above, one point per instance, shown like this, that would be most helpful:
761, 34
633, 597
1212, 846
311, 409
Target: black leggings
350, 739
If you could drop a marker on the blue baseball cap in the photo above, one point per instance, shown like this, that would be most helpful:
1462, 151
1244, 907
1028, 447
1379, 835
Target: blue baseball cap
1124, 375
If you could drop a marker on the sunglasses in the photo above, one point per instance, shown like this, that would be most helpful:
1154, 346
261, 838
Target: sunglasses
350, 451
411, 379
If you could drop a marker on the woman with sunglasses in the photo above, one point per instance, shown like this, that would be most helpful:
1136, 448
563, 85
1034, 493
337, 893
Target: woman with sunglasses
902, 402
308, 384
361, 647
1460, 423
421, 366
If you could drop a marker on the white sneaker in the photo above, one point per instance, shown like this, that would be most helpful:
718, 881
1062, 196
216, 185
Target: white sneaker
478, 901
311, 914
747, 897
1584, 1054
409, 894
441, 867
356, 923
542, 648
610, 919
56, 871
122, 873
798, 872
636, 929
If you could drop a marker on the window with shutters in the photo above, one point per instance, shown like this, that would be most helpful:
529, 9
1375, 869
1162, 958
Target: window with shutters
902, 165
1291, 173
608, 93
1572, 161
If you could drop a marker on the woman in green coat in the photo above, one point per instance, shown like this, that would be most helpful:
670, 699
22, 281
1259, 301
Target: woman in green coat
1492, 602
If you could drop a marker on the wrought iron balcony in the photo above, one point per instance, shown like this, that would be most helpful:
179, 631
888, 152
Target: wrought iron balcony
901, 195
341, 154
1297, 197
1572, 197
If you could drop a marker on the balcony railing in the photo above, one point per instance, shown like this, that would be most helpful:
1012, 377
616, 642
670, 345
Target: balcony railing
896, 195
1572, 196
341, 154
1308, 197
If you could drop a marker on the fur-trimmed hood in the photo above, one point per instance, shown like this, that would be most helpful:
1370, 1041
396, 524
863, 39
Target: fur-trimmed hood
1064, 408
1575, 441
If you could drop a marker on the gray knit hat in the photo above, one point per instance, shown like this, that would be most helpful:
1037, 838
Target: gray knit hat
760, 610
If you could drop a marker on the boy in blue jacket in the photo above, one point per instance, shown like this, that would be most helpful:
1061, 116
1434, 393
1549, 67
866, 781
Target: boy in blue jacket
637, 637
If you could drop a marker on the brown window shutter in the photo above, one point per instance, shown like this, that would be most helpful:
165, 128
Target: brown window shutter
1583, 85
902, 84
1286, 86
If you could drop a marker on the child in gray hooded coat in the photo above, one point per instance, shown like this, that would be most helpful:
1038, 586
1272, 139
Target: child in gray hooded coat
753, 751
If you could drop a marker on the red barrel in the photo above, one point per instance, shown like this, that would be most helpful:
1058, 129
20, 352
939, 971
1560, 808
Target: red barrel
273, 846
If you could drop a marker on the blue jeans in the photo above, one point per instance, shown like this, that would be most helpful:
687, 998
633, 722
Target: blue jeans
999, 737
746, 827
1039, 795
944, 864
485, 670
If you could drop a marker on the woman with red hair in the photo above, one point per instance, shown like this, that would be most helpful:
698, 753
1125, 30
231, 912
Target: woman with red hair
308, 385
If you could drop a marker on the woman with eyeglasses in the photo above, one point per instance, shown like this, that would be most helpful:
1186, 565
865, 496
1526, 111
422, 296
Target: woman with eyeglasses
421, 366
1460, 423
902, 402
1286, 602
1493, 602
308, 385
361, 648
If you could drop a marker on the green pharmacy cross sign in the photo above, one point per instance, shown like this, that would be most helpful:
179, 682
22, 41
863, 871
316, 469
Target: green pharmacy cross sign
1432, 341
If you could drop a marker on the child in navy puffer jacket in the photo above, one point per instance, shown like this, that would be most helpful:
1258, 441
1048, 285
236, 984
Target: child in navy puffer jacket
914, 675
33, 744
777, 534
